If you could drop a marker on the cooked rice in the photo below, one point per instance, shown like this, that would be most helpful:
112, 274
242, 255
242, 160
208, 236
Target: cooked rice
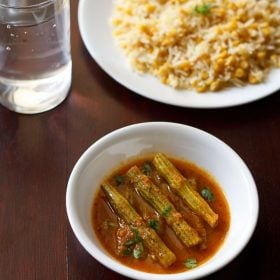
205, 45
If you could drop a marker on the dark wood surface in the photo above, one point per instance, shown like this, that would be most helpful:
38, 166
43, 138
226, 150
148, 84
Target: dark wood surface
38, 152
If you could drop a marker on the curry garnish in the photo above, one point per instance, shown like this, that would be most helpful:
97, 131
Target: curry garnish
146, 168
191, 263
207, 194
119, 179
166, 211
154, 224
138, 250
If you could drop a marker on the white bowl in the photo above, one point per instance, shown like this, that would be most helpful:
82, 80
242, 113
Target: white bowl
178, 140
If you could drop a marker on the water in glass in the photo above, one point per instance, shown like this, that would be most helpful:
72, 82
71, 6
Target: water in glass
35, 60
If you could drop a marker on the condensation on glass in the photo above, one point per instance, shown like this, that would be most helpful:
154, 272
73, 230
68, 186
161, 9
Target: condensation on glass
35, 59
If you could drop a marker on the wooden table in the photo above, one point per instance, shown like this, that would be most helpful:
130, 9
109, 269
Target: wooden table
38, 152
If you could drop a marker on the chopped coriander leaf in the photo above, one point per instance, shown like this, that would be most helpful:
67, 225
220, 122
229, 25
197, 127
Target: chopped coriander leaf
154, 224
207, 194
146, 168
129, 242
191, 263
119, 179
137, 237
138, 251
203, 9
127, 251
166, 211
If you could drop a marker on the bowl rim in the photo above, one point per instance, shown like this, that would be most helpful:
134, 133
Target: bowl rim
112, 263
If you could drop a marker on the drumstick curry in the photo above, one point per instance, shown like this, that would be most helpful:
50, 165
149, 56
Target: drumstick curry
160, 214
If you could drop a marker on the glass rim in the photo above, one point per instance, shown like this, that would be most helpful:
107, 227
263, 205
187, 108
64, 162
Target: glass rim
6, 5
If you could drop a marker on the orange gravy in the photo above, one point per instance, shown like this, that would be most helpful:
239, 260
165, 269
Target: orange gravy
105, 222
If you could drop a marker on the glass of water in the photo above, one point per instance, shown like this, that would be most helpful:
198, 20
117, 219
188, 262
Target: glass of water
35, 59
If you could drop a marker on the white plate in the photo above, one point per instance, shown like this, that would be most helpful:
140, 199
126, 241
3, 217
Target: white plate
96, 32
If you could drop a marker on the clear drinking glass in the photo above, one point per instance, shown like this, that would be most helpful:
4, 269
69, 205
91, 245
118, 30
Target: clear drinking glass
35, 59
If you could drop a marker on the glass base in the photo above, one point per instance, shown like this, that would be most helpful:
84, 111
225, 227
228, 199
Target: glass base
36, 96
